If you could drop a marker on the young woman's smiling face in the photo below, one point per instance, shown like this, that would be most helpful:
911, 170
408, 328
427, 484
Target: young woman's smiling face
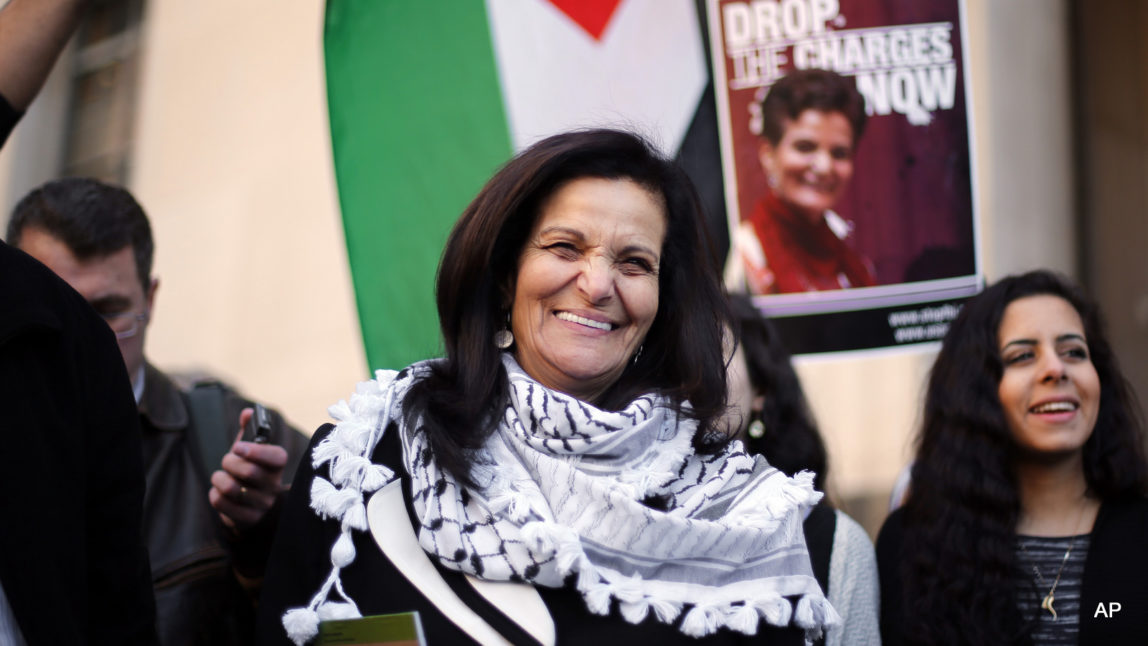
1049, 389
812, 164
587, 284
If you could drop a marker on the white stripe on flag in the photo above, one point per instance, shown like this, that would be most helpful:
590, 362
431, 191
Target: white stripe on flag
646, 74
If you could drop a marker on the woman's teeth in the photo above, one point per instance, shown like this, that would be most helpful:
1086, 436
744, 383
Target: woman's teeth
574, 318
1054, 407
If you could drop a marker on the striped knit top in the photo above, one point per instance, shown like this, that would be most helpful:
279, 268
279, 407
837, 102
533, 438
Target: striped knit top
1039, 559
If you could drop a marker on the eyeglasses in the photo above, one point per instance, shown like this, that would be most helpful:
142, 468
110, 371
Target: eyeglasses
125, 324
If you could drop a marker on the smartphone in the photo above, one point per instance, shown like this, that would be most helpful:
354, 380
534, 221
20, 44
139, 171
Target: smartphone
258, 427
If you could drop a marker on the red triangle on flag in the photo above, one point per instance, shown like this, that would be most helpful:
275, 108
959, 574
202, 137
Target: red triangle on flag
591, 15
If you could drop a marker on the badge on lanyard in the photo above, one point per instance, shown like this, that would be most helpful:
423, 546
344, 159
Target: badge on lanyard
400, 629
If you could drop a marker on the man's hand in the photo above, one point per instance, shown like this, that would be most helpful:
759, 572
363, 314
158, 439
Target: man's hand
249, 481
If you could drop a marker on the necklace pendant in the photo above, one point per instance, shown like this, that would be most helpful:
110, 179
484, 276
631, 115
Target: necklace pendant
1047, 604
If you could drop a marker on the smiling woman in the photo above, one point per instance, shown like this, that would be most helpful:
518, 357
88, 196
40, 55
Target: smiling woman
793, 241
1026, 514
587, 289
565, 445
1049, 388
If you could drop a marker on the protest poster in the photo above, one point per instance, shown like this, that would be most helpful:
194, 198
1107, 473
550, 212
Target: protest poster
847, 242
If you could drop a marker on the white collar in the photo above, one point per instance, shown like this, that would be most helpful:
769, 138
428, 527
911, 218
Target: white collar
138, 385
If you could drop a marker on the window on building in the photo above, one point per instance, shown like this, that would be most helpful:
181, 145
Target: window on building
105, 73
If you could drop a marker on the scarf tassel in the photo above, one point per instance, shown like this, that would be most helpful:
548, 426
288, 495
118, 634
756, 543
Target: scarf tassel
359, 473
520, 509
340, 411
814, 614
701, 620
777, 611
375, 476
799, 489
598, 598
568, 556
343, 553
666, 611
633, 604
806, 615
355, 517
325, 452
539, 538
587, 578
743, 618
769, 514
635, 612
353, 436
302, 625
330, 502
636, 607
515, 504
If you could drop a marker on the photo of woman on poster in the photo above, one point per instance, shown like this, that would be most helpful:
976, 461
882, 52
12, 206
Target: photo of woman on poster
792, 240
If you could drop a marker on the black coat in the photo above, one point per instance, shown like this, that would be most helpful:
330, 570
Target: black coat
72, 561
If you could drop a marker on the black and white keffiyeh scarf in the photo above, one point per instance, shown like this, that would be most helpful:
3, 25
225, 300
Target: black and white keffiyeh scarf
560, 491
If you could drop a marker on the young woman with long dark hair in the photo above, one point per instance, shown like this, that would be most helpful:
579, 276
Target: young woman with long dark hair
1026, 518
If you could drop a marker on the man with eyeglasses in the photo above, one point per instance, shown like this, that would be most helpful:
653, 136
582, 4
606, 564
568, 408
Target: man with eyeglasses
208, 523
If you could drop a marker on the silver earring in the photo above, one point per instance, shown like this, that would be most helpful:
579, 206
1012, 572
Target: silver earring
504, 338
756, 429
638, 354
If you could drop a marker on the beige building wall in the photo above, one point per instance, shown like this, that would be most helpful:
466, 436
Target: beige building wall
232, 161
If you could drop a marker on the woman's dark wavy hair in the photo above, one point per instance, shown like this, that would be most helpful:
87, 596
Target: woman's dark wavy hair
811, 89
460, 402
791, 441
961, 515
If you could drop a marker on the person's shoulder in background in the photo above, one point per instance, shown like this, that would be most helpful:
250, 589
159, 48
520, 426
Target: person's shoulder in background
853, 585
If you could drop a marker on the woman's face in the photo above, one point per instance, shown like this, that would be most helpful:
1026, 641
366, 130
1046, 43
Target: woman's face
587, 286
1049, 388
811, 165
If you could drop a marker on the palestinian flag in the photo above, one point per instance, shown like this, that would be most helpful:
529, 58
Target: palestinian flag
427, 99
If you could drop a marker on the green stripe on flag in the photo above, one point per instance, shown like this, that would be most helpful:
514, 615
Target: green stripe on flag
417, 126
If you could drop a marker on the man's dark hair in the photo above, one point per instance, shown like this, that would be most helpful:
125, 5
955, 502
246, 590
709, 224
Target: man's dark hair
92, 218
